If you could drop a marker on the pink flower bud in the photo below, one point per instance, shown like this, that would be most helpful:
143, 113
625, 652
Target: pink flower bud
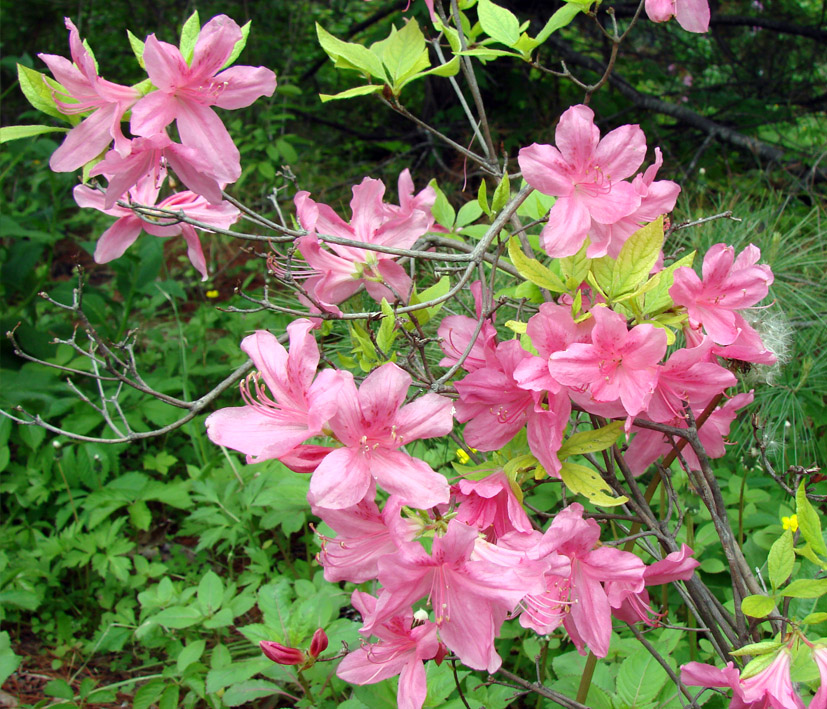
319, 643
281, 654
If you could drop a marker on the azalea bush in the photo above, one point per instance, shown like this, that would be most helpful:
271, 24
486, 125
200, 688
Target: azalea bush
477, 399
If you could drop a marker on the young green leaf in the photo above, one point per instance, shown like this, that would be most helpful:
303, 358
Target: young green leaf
781, 559
585, 481
8, 133
189, 36
347, 55
501, 194
757, 606
498, 23
805, 588
593, 441
809, 522
532, 270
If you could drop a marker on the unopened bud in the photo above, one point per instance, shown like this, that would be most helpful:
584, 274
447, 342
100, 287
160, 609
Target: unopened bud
281, 654
319, 643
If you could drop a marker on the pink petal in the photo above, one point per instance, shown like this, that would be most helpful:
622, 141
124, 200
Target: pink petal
85, 141
545, 169
341, 480
577, 136
428, 416
153, 113
242, 85
567, 227
117, 239
194, 251
202, 129
214, 45
164, 64
692, 15
410, 478
621, 153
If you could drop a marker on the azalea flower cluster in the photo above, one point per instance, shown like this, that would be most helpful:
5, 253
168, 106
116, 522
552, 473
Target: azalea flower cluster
177, 91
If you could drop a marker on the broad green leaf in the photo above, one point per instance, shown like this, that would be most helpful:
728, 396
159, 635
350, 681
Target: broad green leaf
169, 699
809, 521
347, 55
191, 653
658, 298
385, 336
468, 212
246, 693
210, 592
498, 23
9, 661
640, 679
602, 269
450, 68
805, 588
37, 88
558, 20
442, 210
636, 259
532, 270
8, 133
593, 441
516, 326
239, 46
526, 45
58, 688
178, 617
403, 53
815, 618
148, 694
189, 36
757, 606
350, 93
220, 677
482, 197
137, 47
502, 194
140, 516
781, 559
757, 665
585, 481
575, 268
756, 649
488, 54
439, 289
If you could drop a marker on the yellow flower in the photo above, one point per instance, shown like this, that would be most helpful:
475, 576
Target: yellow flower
212, 294
790, 523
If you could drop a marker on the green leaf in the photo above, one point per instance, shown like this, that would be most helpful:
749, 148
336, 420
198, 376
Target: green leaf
755, 666
585, 481
140, 516
385, 336
532, 270
442, 210
350, 93
239, 46
636, 259
169, 699
809, 521
37, 88
346, 55
482, 197
403, 53
575, 268
58, 688
806, 588
498, 23
781, 559
189, 36
9, 661
137, 47
557, 21
191, 653
178, 617
501, 194
658, 298
210, 592
148, 694
450, 68
468, 212
640, 679
757, 606
593, 441
756, 649
249, 691
8, 133
815, 618
439, 289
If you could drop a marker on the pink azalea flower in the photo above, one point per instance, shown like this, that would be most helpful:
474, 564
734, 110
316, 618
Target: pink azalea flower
656, 198
87, 91
364, 535
185, 93
470, 598
729, 284
403, 648
456, 331
123, 233
496, 408
820, 657
491, 503
647, 445
587, 176
633, 607
373, 424
580, 598
285, 404
748, 346
688, 376
342, 270
771, 688
619, 363
692, 15
147, 160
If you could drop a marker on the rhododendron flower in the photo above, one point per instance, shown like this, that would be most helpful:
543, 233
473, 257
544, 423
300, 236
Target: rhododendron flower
647, 445
123, 233
580, 598
491, 503
373, 424
729, 284
619, 363
692, 15
586, 174
770, 688
456, 331
87, 91
656, 198
282, 654
147, 160
287, 403
402, 650
820, 657
342, 270
470, 598
186, 92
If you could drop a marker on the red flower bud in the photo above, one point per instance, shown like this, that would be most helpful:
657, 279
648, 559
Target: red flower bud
319, 643
281, 654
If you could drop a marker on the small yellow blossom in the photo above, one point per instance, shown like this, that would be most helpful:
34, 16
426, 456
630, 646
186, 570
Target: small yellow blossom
463, 457
212, 294
790, 523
